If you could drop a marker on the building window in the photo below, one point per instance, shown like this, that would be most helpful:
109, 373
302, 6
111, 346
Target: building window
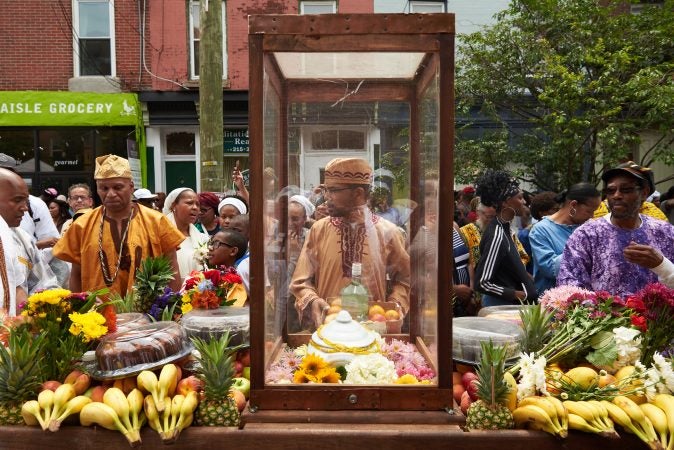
341, 139
195, 39
427, 7
318, 7
94, 41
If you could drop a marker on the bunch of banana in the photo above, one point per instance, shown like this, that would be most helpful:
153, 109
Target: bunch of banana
659, 420
117, 412
542, 413
591, 417
631, 418
53, 407
174, 418
666, 403
162, 387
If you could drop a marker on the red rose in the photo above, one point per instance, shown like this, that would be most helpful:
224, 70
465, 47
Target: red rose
233, 278
639, 322
636, 304
108, 311
190, 283
213, 275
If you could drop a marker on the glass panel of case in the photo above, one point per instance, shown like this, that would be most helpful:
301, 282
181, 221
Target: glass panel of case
377, 206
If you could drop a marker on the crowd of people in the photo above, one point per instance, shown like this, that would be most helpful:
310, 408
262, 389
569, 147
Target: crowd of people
508, 246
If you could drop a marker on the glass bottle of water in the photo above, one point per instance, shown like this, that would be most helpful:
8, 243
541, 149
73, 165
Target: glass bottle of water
355, 296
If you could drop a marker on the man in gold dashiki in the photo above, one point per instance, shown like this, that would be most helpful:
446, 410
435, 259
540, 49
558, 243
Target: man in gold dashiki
106, 245
351, 233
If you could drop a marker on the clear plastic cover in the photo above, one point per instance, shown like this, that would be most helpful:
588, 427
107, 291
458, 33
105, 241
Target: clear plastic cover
468, 333
213, 323
144, 347
131, 320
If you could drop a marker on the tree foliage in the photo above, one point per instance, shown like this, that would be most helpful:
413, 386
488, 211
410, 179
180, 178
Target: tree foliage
586, 77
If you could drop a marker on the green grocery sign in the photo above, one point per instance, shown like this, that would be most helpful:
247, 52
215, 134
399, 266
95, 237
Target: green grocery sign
236, 141
49, 108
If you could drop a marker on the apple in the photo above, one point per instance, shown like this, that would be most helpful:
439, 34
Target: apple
469, 381
189, 384
334, 309
378, 318
241, 384
246, 372
239, 398
97, 393
51, 385
238, 367
392, 314
244, 357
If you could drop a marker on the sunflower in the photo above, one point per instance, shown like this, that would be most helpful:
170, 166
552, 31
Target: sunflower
313, 364
328, 375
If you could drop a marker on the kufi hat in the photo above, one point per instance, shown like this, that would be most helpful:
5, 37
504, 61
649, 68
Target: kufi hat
348, 171
51, 192
634, 170
7, 161
112, 166
143, 194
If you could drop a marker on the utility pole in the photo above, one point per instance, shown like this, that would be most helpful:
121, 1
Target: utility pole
210, 97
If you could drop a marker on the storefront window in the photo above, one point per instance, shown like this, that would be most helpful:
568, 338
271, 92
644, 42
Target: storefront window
180, 143
19, 145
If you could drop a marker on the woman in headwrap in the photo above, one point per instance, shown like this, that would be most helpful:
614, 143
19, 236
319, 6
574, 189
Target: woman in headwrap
500, 274
182, 208
231, 206
209, 220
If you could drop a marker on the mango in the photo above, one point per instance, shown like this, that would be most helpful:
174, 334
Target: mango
583, 377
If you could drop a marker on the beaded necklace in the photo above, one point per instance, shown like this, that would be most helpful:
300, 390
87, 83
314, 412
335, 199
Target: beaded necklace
104, 267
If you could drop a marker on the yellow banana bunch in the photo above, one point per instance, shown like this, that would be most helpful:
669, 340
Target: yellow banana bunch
148, 382
666, 403
126, 409
536, 418
105, 416
576, 422
32, 414
558, 416
177, 415
45, 400
659, 420
168, 380
594, 413
135, 400
622, 418
73, 406
639, 419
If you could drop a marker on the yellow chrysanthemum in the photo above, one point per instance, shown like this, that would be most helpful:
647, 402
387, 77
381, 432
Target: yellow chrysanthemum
50, 296
89, 326
408, 378
186, 307
313, 364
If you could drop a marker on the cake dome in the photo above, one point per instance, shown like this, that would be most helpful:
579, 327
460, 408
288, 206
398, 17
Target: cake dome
339, 341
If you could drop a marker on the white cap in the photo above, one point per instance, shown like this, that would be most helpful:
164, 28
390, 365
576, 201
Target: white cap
142, 194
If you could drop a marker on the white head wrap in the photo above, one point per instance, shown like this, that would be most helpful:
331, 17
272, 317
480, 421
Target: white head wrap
235, 202
306, 204
171, 198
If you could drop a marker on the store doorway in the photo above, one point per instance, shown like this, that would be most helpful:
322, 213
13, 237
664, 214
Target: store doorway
180, 174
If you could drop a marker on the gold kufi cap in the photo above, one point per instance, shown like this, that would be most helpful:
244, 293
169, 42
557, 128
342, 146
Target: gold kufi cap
112, 166
348, 171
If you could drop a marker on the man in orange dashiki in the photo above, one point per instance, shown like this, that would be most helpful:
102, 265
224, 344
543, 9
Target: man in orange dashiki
106, 245
351, 233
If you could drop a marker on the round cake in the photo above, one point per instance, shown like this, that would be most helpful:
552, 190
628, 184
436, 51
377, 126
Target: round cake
145, 344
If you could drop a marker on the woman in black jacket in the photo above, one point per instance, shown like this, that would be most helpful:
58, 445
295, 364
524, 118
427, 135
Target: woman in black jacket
500, 274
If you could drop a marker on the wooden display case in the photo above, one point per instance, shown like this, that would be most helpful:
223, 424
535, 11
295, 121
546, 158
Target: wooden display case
377, 87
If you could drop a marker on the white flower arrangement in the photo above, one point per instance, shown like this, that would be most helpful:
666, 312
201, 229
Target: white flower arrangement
532, 376
370, 369
659, 377
628, 343
201, 254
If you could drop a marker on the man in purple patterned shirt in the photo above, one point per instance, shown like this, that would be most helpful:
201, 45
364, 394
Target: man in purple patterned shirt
624, 250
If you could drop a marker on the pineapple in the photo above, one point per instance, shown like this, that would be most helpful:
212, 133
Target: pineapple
490, 412
152, 277
216, 369
21, 373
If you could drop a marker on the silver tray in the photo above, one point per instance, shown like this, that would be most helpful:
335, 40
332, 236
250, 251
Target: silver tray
92, 366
